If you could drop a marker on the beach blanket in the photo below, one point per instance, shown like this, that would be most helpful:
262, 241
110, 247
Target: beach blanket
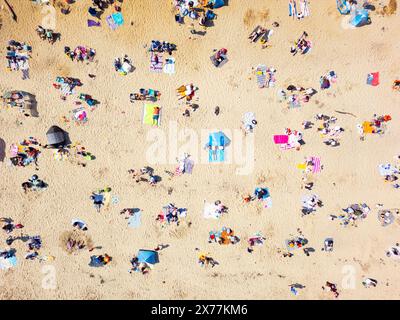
115, 20
148, 110
261, 74
156, 62
169, 67
135, 220
6, 263
281, 139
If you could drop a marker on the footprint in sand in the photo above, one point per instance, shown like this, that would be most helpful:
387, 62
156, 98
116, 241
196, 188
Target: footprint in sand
249, 17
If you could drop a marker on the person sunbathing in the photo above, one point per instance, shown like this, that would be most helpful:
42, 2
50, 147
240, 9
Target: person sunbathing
257, 33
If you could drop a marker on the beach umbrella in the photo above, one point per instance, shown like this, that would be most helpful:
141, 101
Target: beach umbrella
55, 136
148, 256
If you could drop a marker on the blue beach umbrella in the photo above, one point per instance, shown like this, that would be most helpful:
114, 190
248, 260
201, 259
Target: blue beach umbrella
148, 256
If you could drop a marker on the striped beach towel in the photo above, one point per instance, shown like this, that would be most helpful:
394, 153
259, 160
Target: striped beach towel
261, 74
316, 164
156, 62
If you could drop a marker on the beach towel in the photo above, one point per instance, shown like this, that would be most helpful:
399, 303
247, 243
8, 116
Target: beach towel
135, 220
92, 23
210, 211
169, 66
115, 20
148, 110
217, 143
95, 262
6, 263
302, 166
189, 166
156, 62
305, 8
373, 79
281, 139
367, 127
261, 74
316, 164
216, 154
267, 202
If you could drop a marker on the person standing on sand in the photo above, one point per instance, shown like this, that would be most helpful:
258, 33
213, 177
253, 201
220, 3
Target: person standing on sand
156, 116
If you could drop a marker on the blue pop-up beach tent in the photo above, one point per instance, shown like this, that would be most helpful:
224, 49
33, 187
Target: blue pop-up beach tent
148, 256
217, 143
360, 18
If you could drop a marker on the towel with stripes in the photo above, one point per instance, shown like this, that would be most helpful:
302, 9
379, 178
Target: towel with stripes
156, 62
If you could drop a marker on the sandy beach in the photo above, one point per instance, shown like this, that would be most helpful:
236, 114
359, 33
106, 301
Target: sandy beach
116, 135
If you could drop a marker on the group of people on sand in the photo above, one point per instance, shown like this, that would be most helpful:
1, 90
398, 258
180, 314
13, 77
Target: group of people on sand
223, 237
297, 96
34, 243
80, 53
144, 174
18, 55
302, 45
47, 34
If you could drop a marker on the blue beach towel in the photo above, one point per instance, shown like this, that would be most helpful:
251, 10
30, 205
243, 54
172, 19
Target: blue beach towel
135, 220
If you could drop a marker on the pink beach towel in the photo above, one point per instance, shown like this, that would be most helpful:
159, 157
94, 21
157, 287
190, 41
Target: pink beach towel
156, 62
317, 164
281, 139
